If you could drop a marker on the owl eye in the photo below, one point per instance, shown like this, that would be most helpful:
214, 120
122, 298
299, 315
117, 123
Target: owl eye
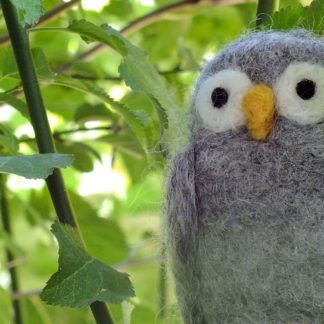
306, 89
219, 97
218, 100
300, 93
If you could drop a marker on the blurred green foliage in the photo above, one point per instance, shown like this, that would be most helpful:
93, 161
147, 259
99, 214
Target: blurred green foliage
116, 182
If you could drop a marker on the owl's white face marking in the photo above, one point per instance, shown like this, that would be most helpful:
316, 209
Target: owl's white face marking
300, 93
219, 98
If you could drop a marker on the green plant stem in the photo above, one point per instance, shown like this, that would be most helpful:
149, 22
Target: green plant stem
10, 257
100, 313
44, 139
37, 111
265, 10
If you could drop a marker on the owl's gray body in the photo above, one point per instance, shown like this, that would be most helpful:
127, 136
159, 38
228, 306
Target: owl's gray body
246, 217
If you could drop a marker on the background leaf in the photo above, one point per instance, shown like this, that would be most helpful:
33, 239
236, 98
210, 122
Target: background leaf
135, 68
15, 103
37, 166
298, 16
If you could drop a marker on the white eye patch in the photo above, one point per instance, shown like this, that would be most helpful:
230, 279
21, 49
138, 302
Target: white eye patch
300, 93
219, 98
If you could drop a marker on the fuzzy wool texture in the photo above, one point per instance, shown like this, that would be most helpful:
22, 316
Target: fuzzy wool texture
246, 217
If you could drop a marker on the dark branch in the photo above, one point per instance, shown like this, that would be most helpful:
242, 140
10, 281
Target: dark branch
48, 16
265, 10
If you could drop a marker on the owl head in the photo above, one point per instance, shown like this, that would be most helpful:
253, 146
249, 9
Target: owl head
260, 84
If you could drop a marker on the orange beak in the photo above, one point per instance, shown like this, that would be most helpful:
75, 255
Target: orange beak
259, 110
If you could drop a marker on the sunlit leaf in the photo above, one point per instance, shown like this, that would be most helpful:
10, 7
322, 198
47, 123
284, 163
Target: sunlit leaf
41, 63
135, 68
29, 11
95, 33
34, 166
130, 116
6, 311
119, 8
297, 16
82, 279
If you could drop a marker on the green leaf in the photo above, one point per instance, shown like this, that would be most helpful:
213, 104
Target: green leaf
125, 143
146, 107
120, 8
98, 232
34, 166
18, 104
29, 11
131, 117
108, 36
41, 63
298, 16
8, 141
135, 68
140, 75
81, 152
8, 65
82, 279
88, 112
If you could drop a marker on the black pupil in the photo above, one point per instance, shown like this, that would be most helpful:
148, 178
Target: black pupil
306, 89
219, 97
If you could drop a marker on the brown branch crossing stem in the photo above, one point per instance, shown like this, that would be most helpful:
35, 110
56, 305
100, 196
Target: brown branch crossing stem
146, 20
48, 16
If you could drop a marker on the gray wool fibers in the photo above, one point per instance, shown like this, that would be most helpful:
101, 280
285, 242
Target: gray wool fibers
246, 217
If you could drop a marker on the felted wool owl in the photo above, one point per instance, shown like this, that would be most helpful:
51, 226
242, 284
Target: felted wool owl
245, 198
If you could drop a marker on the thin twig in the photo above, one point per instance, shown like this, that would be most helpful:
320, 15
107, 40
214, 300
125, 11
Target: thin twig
16, 262
146, 20
73, 131
175, 70
48, 16
25, 294
84, 129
